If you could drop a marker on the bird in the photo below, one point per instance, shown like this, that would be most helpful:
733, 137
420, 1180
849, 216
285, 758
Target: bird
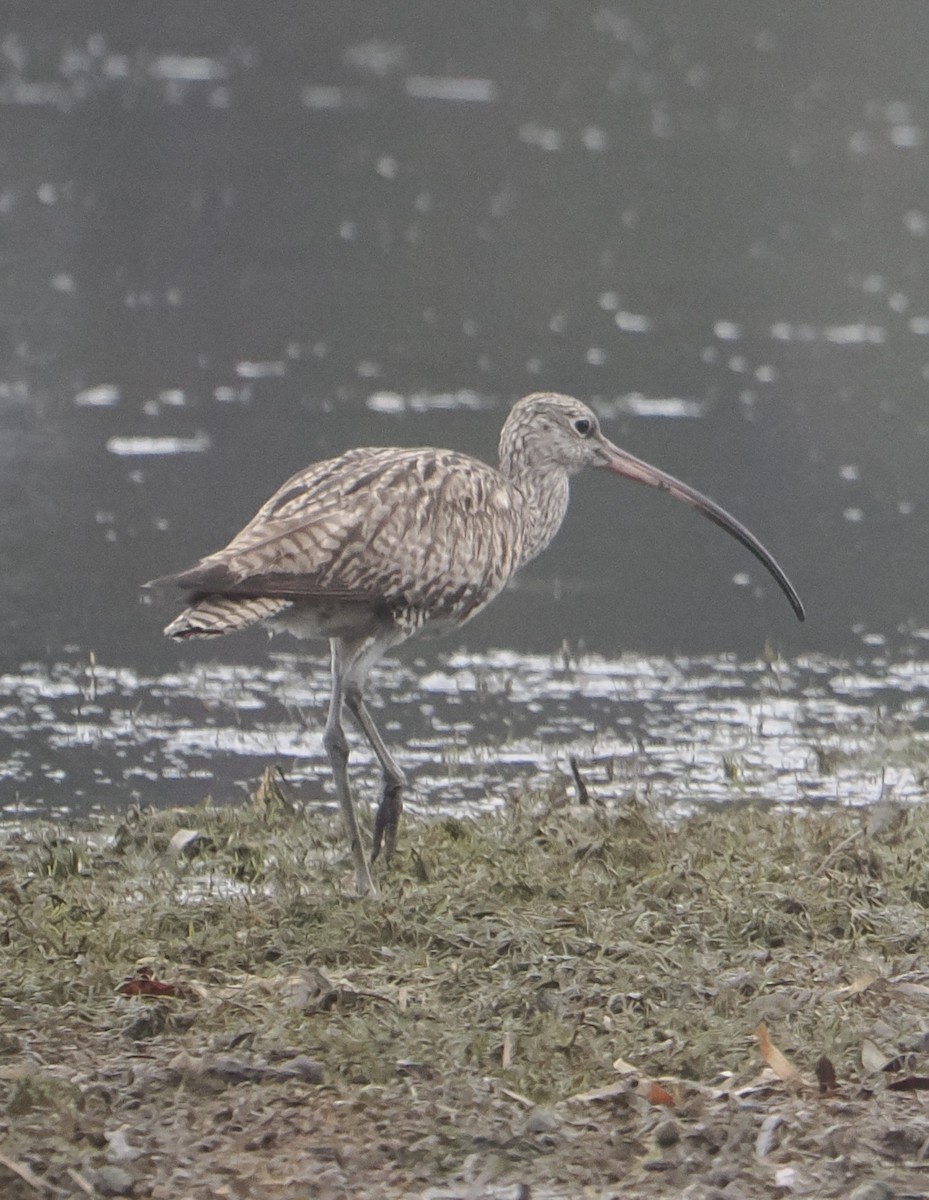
379, 544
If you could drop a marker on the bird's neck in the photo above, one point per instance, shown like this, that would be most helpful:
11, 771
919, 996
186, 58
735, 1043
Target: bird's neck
542, 493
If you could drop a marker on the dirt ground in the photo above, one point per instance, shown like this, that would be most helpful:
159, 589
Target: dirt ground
561, 1001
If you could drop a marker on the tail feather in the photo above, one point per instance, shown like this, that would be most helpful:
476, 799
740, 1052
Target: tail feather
214, 616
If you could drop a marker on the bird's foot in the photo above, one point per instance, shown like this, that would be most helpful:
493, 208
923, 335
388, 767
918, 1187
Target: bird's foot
387, 820
365, 885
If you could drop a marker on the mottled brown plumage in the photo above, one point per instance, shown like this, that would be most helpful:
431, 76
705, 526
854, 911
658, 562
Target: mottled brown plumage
376, 545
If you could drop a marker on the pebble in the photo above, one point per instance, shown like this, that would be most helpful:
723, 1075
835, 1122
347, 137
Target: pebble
113, 1181
302, 1067
668, 1133
541, 1120
873, 1189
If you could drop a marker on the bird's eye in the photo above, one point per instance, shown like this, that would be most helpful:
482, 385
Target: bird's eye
583, 425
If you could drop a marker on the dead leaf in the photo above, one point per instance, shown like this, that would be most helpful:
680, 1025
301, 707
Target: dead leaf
873, 1058
859, 984
311, 991
271, 791
912, 1083
645, 1088
146, 986
768, 1137
825, 1076
779, 1063
633, 1083
654, 1093
918, 991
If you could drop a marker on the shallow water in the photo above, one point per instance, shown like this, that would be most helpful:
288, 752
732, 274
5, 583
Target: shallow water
470, 728
235, 243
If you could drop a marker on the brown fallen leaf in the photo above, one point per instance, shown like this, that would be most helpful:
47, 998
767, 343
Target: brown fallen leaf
825, 1076
633, 1083
912, 1083
654, 1093
779, 1063
859, 984
144, 984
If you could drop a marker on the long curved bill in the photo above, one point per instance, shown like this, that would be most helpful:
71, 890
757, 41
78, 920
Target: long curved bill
622, 463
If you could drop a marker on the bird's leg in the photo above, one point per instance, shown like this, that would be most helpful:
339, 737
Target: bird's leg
336, 744
363, 655
387, 820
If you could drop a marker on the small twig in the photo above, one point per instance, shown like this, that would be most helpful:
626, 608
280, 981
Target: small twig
583, 795
82, 1183
28, 1176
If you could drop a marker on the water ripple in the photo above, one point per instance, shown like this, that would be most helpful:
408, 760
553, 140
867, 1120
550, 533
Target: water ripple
471, 728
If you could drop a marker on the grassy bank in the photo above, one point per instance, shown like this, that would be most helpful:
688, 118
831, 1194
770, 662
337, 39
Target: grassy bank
194, 1004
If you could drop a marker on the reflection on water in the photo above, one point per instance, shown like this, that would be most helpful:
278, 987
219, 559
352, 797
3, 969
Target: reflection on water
469, 728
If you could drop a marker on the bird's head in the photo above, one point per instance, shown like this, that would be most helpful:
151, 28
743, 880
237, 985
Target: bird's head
547, 433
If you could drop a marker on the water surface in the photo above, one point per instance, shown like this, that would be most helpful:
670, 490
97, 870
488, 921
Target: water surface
235, 242
472, 728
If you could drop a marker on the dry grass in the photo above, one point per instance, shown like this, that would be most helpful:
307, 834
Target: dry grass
432, 1040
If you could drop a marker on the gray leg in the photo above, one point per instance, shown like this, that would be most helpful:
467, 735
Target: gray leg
363, 656
387, 820
336, 744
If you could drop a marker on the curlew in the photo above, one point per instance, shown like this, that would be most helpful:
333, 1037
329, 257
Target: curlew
379, 544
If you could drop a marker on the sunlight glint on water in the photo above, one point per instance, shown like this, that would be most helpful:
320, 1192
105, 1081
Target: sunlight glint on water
471, 730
